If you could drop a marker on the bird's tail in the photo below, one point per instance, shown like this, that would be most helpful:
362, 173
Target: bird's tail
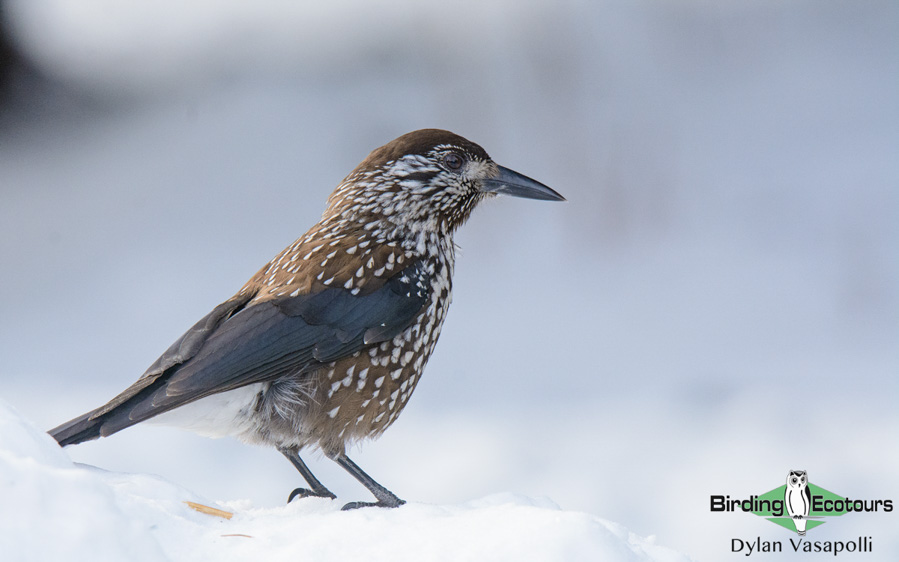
78, 430
136, 403
110, 418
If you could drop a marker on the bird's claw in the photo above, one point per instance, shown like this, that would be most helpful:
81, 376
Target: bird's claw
357, 505
306, 493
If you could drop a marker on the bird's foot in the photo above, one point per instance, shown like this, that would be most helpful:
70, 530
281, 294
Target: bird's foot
306, 493
396, 502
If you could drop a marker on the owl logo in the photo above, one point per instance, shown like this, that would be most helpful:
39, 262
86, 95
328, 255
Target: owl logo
798, 499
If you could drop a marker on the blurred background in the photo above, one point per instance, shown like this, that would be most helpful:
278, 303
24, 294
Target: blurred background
717, 303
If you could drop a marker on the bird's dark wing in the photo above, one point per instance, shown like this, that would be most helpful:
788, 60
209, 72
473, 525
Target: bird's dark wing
88, 426
184, 349
285, 336
239, 344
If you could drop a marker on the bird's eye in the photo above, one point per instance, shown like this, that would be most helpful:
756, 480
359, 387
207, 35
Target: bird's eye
453, 161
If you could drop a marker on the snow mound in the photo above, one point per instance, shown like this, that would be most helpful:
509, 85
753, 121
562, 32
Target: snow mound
53, 509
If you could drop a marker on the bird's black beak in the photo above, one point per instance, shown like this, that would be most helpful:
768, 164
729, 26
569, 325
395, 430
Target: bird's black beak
512, 183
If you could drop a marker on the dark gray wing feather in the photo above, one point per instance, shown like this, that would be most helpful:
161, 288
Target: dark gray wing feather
88, 426
241, 345
184, 349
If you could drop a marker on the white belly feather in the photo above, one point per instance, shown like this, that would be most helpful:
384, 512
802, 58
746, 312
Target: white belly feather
220, 415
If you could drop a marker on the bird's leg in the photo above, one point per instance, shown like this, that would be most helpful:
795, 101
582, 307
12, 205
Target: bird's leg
385, 497
317, 490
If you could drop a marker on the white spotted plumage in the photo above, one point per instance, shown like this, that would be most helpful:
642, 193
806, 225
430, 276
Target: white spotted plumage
395, 215
326, 343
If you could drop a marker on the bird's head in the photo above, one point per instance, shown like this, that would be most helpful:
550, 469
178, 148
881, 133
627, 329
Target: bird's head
425, 181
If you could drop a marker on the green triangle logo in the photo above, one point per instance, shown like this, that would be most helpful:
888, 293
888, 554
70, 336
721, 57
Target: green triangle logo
771, 507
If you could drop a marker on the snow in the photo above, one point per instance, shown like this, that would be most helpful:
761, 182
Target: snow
54, 509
